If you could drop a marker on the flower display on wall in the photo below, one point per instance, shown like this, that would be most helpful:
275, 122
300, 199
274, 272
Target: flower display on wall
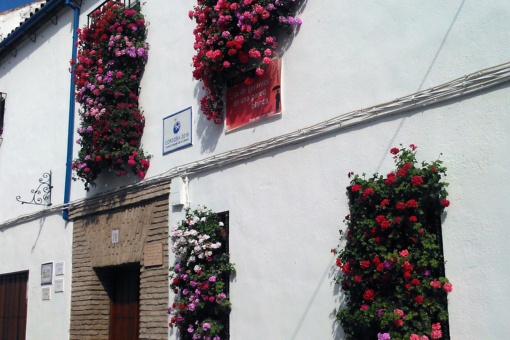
112, 53
235, 39
392, 267
200, 276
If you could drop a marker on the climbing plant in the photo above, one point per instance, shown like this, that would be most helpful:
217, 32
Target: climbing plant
112, 53
392, 266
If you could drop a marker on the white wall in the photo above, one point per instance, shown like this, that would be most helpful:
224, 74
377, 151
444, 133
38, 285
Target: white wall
347, 55
286, 206
27, 247
34, 142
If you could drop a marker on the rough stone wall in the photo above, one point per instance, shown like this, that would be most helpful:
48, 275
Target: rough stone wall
139, 224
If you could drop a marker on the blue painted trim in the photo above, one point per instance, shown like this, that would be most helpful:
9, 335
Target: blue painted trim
70, 130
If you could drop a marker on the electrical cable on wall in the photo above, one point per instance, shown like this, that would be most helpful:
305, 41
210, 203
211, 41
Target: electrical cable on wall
468, 84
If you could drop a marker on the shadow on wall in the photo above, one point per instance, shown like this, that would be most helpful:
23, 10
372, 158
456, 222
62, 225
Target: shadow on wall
329, 275
41, 225
207, 132
340, 300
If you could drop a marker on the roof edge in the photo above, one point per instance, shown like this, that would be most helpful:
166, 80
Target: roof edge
39, 17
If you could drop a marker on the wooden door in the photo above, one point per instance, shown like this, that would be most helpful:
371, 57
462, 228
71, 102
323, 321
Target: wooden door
124, 303
13, 306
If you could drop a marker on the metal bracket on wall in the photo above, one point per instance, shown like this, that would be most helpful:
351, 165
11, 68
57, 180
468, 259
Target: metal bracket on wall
54, 19
41, 195
31, 36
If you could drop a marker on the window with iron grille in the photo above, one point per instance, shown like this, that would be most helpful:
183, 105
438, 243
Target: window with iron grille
2, 111
127, 4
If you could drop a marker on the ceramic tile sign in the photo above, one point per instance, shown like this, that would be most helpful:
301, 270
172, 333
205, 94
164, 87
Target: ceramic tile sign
59, 285
261, 98
177, 131
115, 236
46, 293
47, 273
59, 268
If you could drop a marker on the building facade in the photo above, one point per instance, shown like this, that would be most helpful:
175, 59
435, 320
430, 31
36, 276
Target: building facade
357, 79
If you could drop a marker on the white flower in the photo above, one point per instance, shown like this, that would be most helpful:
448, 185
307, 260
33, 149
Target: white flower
221, 224
201, 255
202, 219
202, 238
197, 249
208, 253
197, 268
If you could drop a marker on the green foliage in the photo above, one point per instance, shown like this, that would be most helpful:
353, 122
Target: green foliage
112, 54
200, 276
392, 268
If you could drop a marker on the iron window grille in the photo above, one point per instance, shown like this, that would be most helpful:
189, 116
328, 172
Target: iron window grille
127, 4
2, 111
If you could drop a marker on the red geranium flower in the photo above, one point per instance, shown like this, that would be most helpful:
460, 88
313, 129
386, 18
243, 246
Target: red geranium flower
368, 192
445, 202
380, 218
369, 295
364, 264
412, 204
385, 224
418, 299
355, 188
390, 178
417, 181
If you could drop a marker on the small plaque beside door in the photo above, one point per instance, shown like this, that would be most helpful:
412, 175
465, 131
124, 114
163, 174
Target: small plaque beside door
153, 254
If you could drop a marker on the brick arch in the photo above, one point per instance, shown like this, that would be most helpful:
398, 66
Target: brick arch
142, 219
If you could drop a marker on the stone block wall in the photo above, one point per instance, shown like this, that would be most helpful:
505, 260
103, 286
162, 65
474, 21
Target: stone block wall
141, 222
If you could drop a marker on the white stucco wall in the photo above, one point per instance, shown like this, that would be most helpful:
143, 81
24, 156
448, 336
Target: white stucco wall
34, 142
27, 247
286, 206
36, 82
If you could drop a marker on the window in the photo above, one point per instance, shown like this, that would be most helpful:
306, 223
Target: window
205, 265
2, 110
222, 318
13, 305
